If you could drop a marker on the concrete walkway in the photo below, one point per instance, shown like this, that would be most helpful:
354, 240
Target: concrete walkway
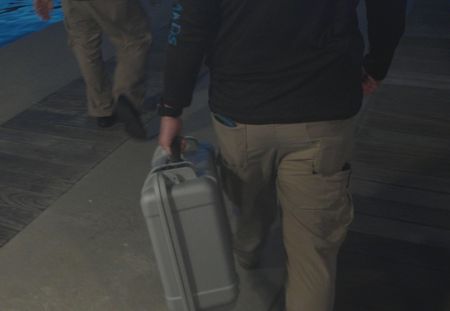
90, 249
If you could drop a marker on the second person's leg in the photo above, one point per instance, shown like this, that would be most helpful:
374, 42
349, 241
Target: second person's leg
127, 26
85, 38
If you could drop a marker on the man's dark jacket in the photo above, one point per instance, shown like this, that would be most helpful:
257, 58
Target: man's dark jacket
278, 61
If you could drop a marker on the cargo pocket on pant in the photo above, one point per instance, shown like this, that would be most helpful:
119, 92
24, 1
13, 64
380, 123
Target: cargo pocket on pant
337, 203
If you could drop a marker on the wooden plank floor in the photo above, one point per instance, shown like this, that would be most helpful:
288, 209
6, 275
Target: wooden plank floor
397, 255
402, 154
47, 148
378, 274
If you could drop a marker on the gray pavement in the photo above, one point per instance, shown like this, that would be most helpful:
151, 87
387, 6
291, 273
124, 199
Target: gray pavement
90, 250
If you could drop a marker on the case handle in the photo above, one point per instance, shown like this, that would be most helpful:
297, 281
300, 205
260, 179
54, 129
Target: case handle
161, 160
175, 149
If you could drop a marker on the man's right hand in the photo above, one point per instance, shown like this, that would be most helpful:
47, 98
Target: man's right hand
43, 8
169, 129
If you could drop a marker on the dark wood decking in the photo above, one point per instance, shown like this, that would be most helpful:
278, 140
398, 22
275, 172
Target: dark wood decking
397, 255
402, 153
380, 274
47, 148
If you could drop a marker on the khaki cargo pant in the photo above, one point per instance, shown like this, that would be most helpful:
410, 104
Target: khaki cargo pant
127, 27
304, 167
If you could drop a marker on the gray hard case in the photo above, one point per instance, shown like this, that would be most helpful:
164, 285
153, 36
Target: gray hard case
186, 218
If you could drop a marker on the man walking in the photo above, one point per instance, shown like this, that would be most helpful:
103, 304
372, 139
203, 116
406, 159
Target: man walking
127, 26
286, 79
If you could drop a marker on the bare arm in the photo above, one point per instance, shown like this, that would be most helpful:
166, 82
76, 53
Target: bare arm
43, 8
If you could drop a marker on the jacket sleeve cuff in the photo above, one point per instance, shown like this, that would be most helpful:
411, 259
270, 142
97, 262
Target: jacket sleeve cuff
166, 110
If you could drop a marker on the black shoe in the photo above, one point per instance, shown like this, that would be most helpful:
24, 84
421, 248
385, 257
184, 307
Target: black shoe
130, 116
108, 121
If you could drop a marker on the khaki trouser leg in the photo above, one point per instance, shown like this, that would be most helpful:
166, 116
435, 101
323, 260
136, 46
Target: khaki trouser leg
308, 161
249, 185
312, 187
128, 28
85, 38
